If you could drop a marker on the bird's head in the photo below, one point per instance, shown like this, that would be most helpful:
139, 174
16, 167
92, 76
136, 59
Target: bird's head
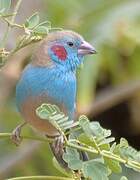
64, 49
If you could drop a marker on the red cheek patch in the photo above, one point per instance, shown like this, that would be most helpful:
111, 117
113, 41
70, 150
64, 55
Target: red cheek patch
60, 52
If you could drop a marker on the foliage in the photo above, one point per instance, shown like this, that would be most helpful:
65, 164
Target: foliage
34, 31
92, 139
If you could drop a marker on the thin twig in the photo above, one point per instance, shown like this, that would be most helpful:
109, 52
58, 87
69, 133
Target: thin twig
8, 135
4, 40
12, 24
41, 177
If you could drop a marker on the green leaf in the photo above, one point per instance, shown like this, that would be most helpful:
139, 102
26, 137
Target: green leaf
105, 147
41, 30
113, 165
72, 157
107, 141
127, 151
95, 169
98, 131
4, 5
32, 21
85, 125
123, 142
112, 148
46, 110
94, 129
86, 140
53, 114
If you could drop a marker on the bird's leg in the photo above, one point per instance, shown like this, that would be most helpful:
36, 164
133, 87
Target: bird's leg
15, 137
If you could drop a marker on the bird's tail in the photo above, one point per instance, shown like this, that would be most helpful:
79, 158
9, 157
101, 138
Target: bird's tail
58, 151
59, 156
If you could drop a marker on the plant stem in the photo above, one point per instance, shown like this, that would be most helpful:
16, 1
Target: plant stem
107, 154
4, 40
41, 177
104, 153
16, 10
12, 24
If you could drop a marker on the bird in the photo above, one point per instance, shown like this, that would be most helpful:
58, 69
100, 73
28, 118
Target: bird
50, 77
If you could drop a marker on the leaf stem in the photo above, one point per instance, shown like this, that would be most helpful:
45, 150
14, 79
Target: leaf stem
91, 150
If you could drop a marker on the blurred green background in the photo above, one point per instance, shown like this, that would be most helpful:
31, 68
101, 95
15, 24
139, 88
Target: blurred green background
108, 84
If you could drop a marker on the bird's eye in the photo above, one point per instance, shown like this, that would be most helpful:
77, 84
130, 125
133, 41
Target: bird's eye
70, 44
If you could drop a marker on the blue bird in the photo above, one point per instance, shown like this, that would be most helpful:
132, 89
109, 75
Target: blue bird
51, 78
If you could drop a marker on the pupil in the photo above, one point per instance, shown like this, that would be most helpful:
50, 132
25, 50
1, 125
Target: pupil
70, 43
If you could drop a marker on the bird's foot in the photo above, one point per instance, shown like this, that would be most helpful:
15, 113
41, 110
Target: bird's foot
15, 137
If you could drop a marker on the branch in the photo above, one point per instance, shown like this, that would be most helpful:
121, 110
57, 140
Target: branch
41, 177
8, 135
12, 24
85, 148
104, 153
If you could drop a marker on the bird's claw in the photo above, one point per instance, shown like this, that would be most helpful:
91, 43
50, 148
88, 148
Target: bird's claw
15, 137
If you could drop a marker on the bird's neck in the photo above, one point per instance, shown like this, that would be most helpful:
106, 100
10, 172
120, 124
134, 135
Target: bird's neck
40, 59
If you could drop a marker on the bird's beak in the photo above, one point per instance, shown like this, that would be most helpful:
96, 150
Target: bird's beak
86, 48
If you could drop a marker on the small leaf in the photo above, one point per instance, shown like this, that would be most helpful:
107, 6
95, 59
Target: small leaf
113, 165
95, 169
112, 148
85, 125
4, 5
41, 30
53, 114
105, 147
107, 141
123, 142
32, 21
42, 113
72, 157
86, 140
96, 128
127, 151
